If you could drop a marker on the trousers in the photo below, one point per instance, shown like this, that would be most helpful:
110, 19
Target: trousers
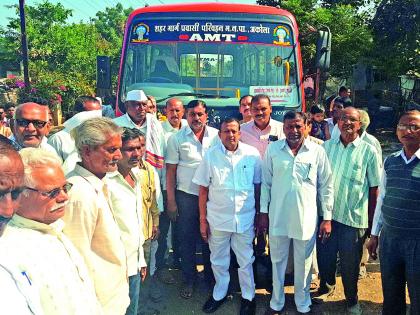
220, 243
302, 258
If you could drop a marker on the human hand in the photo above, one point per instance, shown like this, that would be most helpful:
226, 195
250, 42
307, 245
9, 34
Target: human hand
204, 230
372, 247
262, 223
172, 210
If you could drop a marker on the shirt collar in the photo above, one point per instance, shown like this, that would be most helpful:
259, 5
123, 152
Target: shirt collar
189, 131
96, 182
355, 142
168, 127
415, 155
258, 129
53, 228
226, 151
306, 144
127, 116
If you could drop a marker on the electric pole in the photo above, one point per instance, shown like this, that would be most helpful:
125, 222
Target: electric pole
24, 43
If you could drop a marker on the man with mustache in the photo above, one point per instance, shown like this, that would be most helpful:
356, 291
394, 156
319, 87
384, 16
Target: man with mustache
396, 221
30, 126
18, 297
245, 108
229, 177
296, 173
36, 246
262, 130
126, 199
90, 222
355, 167
185, 151
174, 111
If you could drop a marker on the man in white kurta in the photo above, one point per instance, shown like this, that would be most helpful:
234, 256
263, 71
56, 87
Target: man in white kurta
34, 244
126, 198
228, 176
295, 173
90, 221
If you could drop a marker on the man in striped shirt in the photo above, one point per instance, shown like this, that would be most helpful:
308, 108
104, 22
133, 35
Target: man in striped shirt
355, 167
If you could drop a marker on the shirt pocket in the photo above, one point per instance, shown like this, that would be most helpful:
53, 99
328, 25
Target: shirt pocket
354, 175
306, 172
245, 174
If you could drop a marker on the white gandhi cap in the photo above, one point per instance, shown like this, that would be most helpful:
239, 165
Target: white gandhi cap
136, 95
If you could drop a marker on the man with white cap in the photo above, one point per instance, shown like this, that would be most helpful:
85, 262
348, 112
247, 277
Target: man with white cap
137, 117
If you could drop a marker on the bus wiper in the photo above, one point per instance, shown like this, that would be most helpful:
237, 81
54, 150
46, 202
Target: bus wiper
202, 95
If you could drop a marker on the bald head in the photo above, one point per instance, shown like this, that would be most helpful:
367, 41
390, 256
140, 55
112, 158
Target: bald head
174, 112
30, 124
11, 180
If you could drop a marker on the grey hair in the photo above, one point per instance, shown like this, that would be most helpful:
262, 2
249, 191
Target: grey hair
94, 132
364, 119
34, 158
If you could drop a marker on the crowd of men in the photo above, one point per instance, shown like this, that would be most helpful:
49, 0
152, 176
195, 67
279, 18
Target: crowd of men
86, 215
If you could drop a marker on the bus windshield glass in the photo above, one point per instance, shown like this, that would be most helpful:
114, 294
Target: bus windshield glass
211, 59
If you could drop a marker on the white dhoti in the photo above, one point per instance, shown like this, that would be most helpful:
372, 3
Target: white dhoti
302, 254
220, 243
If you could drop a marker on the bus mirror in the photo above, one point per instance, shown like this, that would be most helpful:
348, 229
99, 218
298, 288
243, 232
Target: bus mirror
323, 50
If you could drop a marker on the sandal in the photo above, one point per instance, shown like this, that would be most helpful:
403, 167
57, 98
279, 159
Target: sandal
187, 291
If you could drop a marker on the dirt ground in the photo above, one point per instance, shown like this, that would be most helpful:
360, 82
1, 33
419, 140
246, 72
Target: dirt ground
370, 296
370, 288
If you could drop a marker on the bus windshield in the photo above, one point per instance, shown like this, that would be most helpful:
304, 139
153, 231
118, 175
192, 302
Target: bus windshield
211, 60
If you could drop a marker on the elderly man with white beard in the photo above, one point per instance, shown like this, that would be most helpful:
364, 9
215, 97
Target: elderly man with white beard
35, 244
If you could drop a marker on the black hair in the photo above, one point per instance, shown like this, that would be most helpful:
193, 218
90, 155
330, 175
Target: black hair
342, 89
291, 115
195, 103
79, 104
130, 134
258, 97
9, 105
409, 112
240, 100
317, 109
228, 120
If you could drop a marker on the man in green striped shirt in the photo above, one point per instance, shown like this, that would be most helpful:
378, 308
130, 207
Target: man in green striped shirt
355, 167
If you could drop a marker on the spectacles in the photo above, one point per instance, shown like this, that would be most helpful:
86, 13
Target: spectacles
13, 193
351, 119
408, 127
53, 193
38, 124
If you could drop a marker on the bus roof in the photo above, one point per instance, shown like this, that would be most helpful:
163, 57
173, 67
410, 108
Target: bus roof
213, 7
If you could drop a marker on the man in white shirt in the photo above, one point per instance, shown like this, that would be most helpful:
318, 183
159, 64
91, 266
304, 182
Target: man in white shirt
295, 173
90, 221
136, 116
126, 199
35, 244
30, 126
228, 176
62, 141
174, 111
18, 296
185, 151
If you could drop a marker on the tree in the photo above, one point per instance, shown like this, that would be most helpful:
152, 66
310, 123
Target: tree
351, 36
396, 32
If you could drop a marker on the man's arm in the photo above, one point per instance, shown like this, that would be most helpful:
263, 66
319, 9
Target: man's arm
325, 193
203, 195
373, 197
171, 209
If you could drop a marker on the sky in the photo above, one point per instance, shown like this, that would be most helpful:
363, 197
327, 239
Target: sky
86, 9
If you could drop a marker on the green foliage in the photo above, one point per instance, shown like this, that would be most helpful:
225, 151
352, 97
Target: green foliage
351, 36
396, 30
63, 54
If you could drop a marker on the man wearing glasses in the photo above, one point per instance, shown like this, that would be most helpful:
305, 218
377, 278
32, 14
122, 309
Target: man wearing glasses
37, 248
29, 126
397, 219
355, 169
